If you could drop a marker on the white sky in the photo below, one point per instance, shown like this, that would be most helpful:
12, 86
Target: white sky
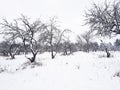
69, 12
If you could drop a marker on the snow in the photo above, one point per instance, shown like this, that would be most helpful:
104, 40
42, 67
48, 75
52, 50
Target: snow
80, 71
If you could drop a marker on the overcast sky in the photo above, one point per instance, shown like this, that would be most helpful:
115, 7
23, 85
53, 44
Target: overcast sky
69, 12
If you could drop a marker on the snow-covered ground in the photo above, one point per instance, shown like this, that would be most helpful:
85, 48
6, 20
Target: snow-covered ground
80, 71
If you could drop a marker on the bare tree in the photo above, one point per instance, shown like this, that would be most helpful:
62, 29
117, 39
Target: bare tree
67, 49
93, 46
80, 42
87, 36
54, 36
117, 44
104, 19
9, 48
106, 49
27, 31
3, 49
68, 46
13, 48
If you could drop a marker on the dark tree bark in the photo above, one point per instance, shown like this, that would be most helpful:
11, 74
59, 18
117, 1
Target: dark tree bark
107, 53
32, 59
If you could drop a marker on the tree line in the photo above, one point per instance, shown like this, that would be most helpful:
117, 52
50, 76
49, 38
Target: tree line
36, 37
23, 37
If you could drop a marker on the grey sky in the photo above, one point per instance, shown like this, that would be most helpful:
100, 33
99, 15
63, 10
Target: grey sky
69, 12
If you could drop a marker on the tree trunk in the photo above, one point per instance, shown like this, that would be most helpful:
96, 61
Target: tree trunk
32, 59
87, 47
52, 55
65, 51
107, 52
12, 56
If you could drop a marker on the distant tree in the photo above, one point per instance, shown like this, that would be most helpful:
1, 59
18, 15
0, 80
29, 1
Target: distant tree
9, 45
65, 48
110, 46
87, 36
4, 48
9, 48
105, 48
68, 47
80, 42
117, 44
93, 46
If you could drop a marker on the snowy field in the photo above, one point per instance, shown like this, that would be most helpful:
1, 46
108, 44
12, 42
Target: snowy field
80, 71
